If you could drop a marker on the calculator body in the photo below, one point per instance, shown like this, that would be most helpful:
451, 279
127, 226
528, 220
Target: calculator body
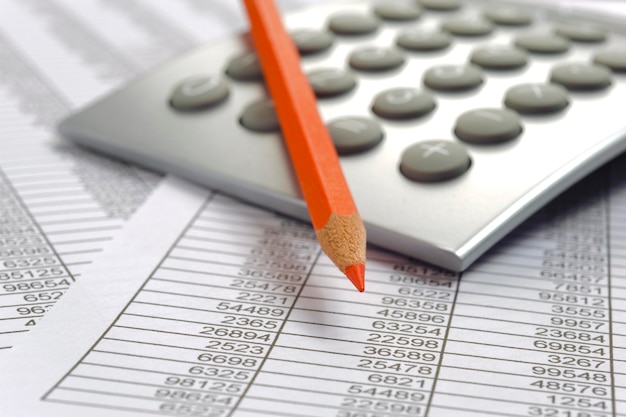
446, 223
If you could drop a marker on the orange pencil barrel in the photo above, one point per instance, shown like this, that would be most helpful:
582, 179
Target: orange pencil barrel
332, 209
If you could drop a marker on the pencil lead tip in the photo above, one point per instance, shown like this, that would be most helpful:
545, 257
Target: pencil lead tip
356, 274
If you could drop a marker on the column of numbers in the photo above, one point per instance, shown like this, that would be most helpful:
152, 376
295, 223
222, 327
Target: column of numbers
31, 274
531, 334
192, 340
618, 282
575, 339
349, 354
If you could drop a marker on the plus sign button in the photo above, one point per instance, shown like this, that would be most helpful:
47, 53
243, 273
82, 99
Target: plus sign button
434, 160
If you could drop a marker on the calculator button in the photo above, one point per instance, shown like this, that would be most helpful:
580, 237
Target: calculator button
374, 58
441, 5
536, 98
499, 57
420, 39
453, 77
485, 126
245, 67
403, 103
581, 76
397, 11
434, 160
509, 16
467, 26
581, 33
353, 24
331, 82
543, 43
614, 58
198, 92
310, 41
260, 116
354, 134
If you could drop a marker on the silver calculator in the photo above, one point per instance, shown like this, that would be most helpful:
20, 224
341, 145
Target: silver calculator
454, 120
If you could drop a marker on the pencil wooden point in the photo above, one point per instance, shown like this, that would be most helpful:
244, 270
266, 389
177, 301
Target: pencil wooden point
343, 239
356, 274
334, 215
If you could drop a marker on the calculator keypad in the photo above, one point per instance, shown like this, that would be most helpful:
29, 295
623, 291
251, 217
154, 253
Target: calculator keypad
353, 135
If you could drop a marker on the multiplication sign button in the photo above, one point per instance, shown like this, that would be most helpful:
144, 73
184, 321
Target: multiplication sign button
434, 160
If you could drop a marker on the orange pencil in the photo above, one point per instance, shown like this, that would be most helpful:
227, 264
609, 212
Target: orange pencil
336, 221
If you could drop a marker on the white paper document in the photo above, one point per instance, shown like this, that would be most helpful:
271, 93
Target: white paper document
209, 307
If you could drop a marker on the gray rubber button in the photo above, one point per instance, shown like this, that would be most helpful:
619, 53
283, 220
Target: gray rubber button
468, 26
331, 82
581, 76
499, 57
543, 43
354, 134
245, 67
353, 24
260, 116
441, 5
398, 11
508, 16
484, 126
614, 58
197, 92
419, 39
374, 58
310, 41
434, 160
453, 77
403, 103
581, 33
536, 98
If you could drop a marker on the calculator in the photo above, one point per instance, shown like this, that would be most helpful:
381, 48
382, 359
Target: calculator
454, 120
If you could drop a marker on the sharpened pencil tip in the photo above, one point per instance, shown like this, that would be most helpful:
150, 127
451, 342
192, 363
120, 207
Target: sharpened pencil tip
356, 274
